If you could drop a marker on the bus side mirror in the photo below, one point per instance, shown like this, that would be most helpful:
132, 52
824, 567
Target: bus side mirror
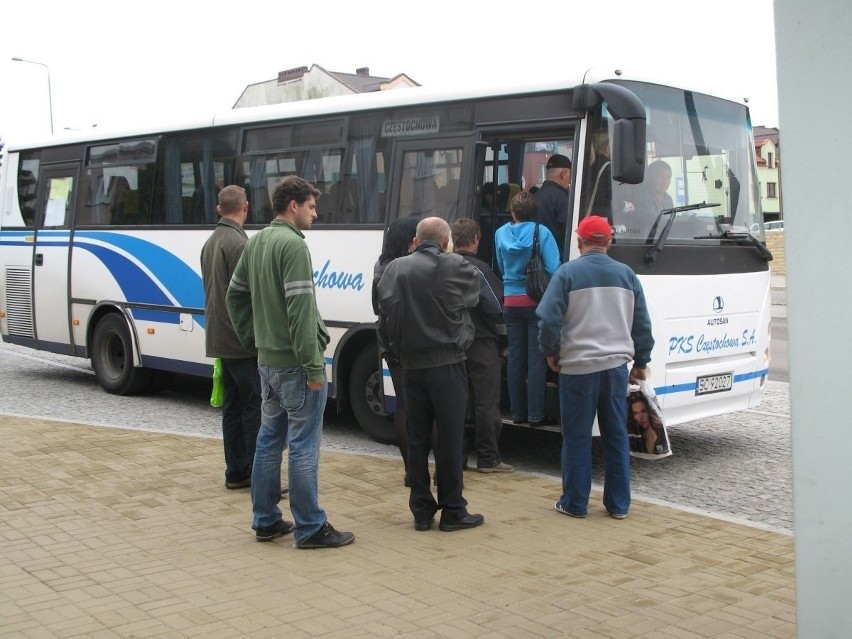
628, 151
628, 136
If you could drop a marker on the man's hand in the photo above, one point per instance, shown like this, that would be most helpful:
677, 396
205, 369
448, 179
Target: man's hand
638, 374
315, 386
553, 363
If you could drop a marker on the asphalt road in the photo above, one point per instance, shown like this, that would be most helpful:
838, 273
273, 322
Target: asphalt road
736, 466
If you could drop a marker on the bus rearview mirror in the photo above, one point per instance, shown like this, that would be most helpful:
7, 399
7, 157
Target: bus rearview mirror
628, 151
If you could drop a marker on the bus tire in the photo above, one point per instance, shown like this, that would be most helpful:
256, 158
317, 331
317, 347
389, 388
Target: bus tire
366, 397
112, 358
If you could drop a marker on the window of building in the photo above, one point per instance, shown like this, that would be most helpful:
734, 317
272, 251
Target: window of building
771, 190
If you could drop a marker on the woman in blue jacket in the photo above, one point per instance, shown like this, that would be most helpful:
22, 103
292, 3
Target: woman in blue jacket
527, 366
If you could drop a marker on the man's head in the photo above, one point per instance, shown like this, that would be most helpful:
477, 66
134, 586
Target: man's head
594, 234
466, 234
295, 200
489, 189
524, 207
659, 175
435, 229
558, 169
233, 204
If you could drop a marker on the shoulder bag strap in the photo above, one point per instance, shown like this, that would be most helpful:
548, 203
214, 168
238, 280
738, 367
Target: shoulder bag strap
535, 248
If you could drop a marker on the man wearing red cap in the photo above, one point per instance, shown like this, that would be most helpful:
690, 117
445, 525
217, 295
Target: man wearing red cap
593, 320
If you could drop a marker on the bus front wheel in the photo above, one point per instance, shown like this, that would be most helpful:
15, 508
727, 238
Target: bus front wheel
367, 399
112, 358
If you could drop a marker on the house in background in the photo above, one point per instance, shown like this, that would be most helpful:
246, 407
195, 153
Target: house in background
767, 150
303, 83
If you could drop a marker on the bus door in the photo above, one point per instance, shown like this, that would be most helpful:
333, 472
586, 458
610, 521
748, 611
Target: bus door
51, 257
431, 177
510, 161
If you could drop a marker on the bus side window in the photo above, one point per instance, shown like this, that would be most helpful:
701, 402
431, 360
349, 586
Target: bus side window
96, 209
448, 196
27, 183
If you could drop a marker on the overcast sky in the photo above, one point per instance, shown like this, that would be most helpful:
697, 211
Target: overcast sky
115, 63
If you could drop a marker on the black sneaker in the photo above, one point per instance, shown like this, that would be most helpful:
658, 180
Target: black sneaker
468, 521
327, 537
278, 529
424, 524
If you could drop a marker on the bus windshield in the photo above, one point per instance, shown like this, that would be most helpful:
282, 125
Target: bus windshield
698, 151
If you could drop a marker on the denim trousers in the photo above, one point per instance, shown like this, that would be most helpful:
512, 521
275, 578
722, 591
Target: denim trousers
291, 416
240, 416
527, 366
436, 396
580, 398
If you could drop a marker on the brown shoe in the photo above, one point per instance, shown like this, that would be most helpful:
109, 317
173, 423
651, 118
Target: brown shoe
234, 485
502, 467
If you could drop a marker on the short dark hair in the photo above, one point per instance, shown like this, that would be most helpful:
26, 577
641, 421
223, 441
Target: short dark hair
292, 188
399, 235
465, 231
524, 206
232, 198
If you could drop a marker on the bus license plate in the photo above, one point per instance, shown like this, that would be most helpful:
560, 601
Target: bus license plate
714, 383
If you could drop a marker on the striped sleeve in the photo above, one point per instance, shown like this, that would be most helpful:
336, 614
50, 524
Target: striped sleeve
298, 287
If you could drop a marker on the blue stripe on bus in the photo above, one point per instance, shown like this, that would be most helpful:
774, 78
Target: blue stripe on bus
184, 283
677, 388
690, 386
139, 287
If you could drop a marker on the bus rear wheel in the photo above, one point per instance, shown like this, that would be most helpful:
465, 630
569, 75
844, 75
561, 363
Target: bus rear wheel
112, 358
367, 399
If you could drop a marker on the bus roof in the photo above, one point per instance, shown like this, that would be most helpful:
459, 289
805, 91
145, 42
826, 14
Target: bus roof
325, 106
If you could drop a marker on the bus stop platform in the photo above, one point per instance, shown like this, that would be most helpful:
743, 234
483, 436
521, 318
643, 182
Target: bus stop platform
110, 532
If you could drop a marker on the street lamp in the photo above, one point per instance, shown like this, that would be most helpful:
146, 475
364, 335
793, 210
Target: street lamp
49, 94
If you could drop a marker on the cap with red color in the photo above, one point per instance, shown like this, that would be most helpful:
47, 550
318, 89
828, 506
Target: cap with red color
595, 229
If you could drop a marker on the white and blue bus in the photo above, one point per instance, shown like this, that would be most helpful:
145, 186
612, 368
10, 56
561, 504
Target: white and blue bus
100, 235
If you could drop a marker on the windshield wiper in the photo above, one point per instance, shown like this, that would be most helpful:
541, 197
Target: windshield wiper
740, 235
651, 256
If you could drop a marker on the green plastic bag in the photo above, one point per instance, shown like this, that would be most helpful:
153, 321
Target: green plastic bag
217, 396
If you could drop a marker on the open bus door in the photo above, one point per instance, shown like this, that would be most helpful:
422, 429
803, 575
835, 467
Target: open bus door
51, 257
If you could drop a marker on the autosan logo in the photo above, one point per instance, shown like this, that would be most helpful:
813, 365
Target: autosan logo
718, 304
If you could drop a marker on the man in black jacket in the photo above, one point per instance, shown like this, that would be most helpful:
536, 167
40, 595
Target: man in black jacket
483, 356
425, 323
553, 199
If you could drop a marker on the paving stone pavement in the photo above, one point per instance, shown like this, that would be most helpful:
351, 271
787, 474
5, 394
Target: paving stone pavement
110, 532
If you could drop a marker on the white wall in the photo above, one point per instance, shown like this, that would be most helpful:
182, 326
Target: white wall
814, 57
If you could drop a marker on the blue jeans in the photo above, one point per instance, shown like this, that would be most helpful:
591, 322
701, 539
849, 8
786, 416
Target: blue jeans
580, 397
240, 416
527, 366
291, 414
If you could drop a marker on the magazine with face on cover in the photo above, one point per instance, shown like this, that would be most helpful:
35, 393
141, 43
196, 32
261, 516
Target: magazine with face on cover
646, 427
